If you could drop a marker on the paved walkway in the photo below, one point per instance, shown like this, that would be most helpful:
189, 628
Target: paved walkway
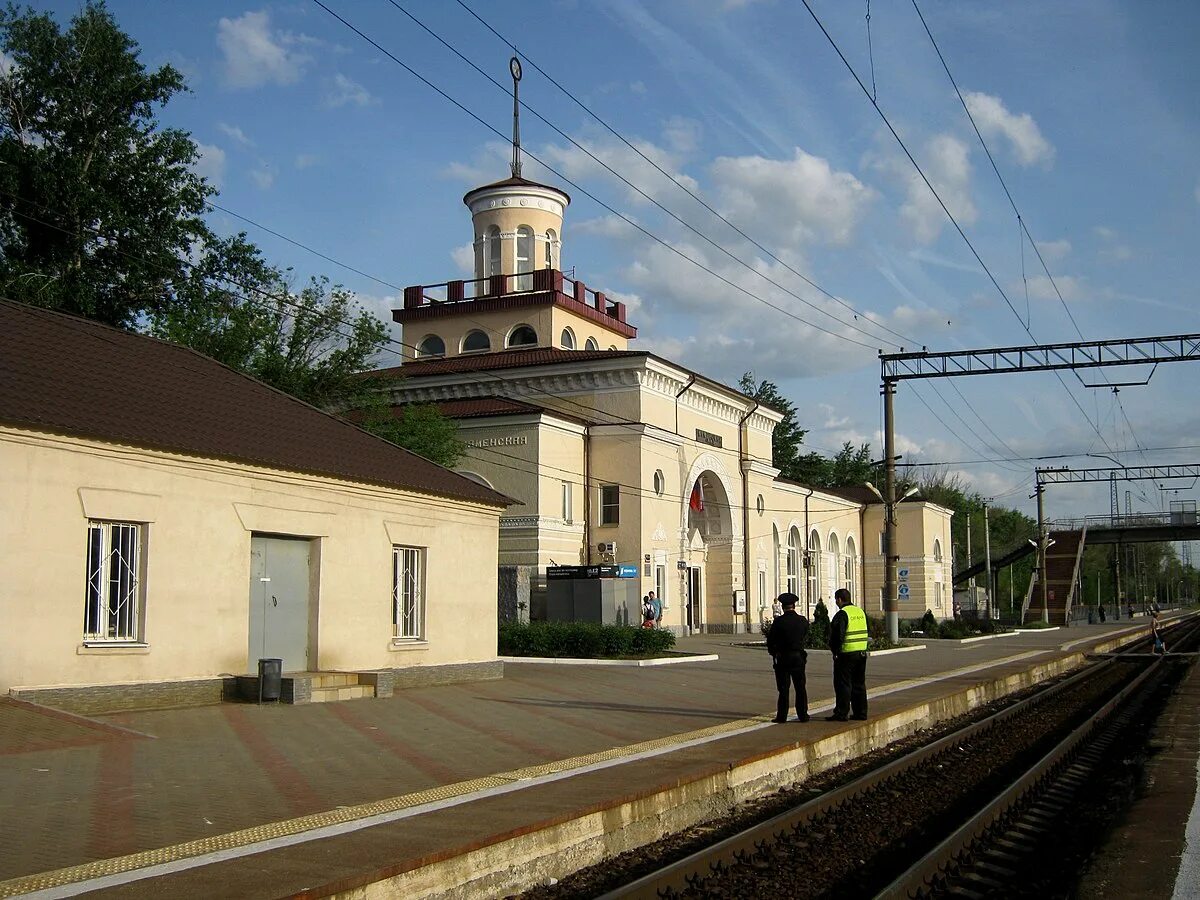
125, 791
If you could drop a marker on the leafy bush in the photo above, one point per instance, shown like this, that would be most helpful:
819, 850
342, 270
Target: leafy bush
951, 630
581, 640
877, 635
818, 628
905, 628
929, 624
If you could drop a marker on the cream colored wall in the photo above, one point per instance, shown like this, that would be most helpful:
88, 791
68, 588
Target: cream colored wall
497, 326
509, 219
917, 524
201, 515
583, 329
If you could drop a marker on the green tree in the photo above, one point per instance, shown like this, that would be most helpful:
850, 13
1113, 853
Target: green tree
788, 435
818, 628
851, 467
99, 206
420, 428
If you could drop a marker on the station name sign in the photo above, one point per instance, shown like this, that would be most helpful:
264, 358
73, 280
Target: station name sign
514, 441
707, 437
554, 573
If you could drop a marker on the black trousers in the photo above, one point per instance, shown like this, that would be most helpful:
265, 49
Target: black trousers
850, 683
793, 673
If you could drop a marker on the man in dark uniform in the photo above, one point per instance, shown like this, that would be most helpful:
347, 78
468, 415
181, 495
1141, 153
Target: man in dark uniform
785, 643
848, 642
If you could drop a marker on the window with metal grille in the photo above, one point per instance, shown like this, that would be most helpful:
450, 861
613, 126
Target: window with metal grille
111, 609
610, 504
408, 592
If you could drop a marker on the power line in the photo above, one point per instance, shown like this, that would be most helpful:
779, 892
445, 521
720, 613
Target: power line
937, 196
626, 219
648, 159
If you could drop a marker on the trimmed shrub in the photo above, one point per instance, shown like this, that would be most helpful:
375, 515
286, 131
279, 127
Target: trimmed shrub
929, 624
877, 635
818, 628
581, 640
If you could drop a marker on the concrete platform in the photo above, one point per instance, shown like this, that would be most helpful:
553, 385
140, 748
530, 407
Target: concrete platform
466, 790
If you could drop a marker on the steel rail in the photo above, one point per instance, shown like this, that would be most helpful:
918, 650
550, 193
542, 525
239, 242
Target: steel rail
919, 880
689, 870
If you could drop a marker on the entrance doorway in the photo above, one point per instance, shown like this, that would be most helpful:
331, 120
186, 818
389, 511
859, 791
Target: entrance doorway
695, 598
279, 601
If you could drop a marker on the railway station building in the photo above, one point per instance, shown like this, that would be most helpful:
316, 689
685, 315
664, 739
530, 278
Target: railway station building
622, 458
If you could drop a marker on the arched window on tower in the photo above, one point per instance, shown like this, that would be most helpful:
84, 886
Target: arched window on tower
551, 249
591, 344
493, 251
524, 258
431, 345
522, 336
475, 342
568, 339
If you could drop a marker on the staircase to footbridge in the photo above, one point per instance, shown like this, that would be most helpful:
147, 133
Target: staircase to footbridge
1066, 541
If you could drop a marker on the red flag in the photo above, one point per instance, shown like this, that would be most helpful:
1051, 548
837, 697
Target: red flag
697, 499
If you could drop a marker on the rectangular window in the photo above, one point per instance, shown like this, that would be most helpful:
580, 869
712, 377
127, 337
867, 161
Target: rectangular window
408, 592
567, 517
610, 504
660, 583
112, 600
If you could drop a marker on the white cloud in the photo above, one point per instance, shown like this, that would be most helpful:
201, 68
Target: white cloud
211, 164
343, 91
1054, 249
1103, 231
948, 167
1022, 133
1070, 286
236, 133
1113, 250
263, 177
464, 259
306, 160
608, 226
796, 200
255, 55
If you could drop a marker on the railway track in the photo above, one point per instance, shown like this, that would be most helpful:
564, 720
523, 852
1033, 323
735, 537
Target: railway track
961, 816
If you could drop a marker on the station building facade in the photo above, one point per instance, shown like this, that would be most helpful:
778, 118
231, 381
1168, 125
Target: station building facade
621, 457
167, 522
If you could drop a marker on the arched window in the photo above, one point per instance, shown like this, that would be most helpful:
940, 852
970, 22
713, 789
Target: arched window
568, 339
431, 345
522, 336
835, 562
850, 575
775, 559
612, 347
524, 258
591, 344
793, 561
476, 341
814, 569
551, 256
937, 550
493, 251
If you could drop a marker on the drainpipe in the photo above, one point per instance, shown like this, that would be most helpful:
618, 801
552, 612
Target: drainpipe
807, 535
742, 459
682, 391
587, 494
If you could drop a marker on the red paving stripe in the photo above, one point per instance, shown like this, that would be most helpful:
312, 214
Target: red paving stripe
566, 715
427, 765
288, 781
531, 747
112, 831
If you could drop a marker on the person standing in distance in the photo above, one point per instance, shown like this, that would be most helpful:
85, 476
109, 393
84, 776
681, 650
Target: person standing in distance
785, 643
657, 606
848, 642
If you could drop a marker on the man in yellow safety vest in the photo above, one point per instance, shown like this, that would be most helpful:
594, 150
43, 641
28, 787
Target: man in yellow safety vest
848, 642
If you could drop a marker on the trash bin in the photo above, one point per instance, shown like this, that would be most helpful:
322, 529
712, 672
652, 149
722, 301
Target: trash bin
270, 679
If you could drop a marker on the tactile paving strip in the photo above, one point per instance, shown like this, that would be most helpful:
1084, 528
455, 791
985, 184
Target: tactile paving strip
235, 839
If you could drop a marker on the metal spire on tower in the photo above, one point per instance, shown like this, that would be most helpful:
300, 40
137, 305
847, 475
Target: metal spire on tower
514, 66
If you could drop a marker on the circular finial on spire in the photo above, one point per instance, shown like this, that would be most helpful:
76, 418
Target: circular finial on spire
514, 66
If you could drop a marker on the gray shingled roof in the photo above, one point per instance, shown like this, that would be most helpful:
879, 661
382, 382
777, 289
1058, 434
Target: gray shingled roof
65, 375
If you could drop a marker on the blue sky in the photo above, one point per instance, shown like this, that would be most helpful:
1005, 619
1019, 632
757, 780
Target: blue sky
1088, 109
